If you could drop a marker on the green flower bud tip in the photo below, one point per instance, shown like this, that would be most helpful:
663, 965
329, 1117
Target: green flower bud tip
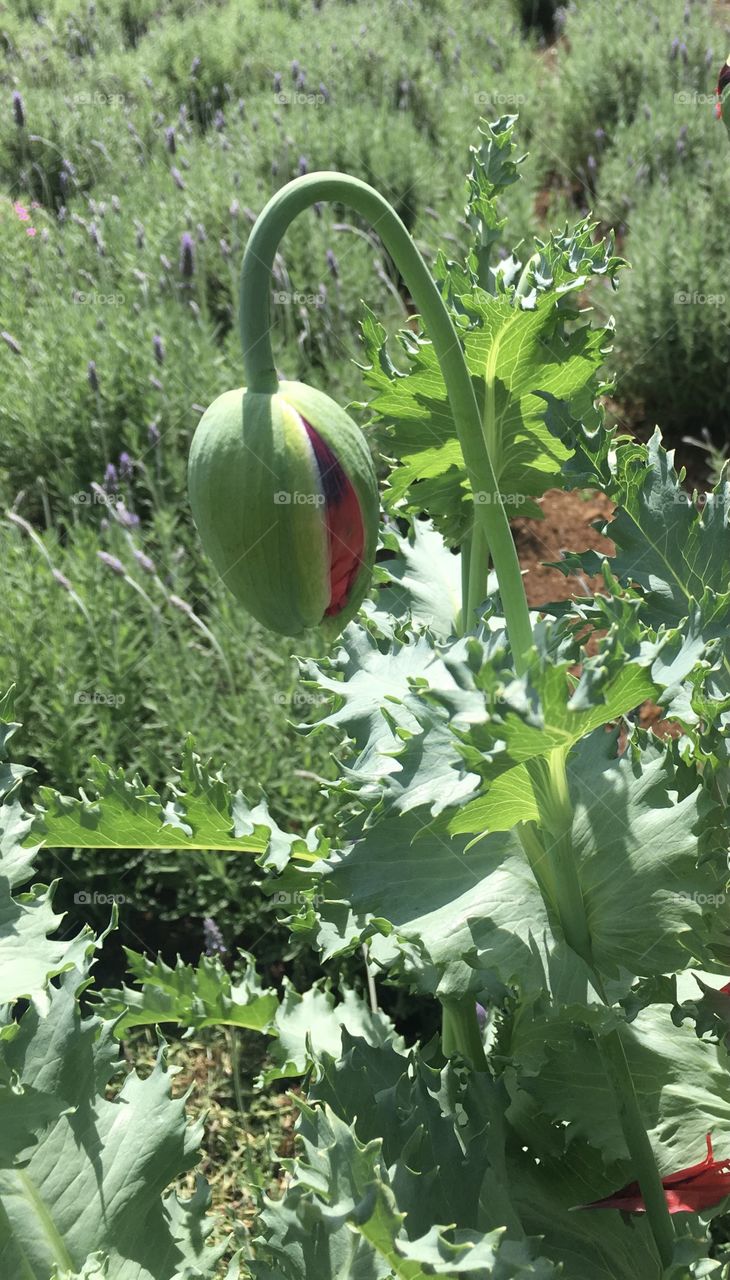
285, 499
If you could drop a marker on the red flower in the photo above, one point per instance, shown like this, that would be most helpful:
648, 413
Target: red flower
698, 1187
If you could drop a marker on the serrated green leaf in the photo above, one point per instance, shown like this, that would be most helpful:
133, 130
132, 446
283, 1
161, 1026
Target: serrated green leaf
198, 996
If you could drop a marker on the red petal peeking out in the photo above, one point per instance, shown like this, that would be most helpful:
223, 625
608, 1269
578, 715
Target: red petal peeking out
699, 1187
723, 81
345, 529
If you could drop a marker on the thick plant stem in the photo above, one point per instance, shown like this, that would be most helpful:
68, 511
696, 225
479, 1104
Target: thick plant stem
261, 376
460, 1032
617, 1069
550, 785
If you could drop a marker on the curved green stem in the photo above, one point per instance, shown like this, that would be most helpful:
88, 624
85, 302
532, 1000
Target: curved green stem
261, 376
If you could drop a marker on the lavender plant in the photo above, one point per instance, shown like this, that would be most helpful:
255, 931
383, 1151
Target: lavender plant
510, 845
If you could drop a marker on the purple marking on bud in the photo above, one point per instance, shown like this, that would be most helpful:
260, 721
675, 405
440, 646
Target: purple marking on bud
153, 434
144, 561
92, 375
170, 139
112, 563
187, 256
11, 342
111, 479
332, 263
214, 944
177, 178
482, 1015
18, 109
158, 348
126, 466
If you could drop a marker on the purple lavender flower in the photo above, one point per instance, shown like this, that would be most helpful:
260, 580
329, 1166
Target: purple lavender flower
294, 69
177, 178
126, 518
277, 82
213, 937
126, 466
111, 479
11, 342
219, 121
332, 263
158, 348
674, 48
144, 561
92, 375
18, 109
111, 562
61, 579
303, 166
96, 239
153, 434
170, 139
187, 256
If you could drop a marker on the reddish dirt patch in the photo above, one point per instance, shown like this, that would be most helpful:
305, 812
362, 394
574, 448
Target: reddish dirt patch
567, 526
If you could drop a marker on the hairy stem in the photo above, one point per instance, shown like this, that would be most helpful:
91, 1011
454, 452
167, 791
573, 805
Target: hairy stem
460, 1032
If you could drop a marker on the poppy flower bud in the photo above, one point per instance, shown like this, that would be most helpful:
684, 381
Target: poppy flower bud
285, 499
722, 108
